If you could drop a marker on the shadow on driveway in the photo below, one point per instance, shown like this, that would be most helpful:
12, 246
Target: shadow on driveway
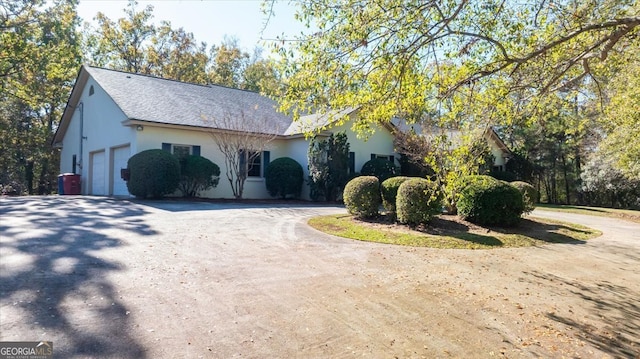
611, 304
53, 282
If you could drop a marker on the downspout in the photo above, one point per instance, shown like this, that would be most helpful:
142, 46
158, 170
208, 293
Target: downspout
82, 138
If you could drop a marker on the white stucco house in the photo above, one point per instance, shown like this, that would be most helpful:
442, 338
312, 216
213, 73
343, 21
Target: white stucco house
112, 115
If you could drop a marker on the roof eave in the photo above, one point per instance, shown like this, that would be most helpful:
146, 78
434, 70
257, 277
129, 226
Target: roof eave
72, 104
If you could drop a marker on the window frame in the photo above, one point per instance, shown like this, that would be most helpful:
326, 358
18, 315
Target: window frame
251, 166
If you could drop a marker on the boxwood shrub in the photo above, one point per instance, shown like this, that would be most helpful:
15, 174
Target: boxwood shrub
197, 174
529, 195
380, 168
389, 191
418, 201
487, 201
362, 196
153, 174
284, 177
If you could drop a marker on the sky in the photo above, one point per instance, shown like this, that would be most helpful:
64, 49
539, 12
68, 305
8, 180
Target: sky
210, 20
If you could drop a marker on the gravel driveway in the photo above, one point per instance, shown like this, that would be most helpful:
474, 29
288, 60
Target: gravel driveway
112, 278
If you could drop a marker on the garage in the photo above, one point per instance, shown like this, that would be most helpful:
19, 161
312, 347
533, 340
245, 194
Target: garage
119, 158
97, 174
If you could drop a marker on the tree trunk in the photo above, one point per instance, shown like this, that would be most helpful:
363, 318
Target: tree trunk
566, 179
29, 176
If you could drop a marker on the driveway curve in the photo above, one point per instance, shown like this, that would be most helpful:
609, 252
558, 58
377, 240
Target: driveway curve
114, 278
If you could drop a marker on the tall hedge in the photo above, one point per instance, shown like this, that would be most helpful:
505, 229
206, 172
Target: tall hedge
362, 196
381, 168
389, 191
418, 201
284, 177
487, 201
153, 174
197, 174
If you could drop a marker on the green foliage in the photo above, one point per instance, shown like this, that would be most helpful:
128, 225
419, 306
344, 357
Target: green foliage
408, 57
506, 176
39, 59
521, 166
284, 177
134, 44
529, 195
418, 200
362, 196
380, 168
621, 119
604, 184
328, 166
487, 201
389, 191
153, 174
197, 174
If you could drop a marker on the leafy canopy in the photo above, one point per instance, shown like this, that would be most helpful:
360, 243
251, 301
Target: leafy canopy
462, 58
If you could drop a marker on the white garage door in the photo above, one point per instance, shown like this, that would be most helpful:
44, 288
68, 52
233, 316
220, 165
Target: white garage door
98, 174
119, 159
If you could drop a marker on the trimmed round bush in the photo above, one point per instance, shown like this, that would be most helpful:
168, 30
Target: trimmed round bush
529, 195
487, 201
380, 168
284, 177
197, 174
362, 196
153, 174
389, 191
418, 201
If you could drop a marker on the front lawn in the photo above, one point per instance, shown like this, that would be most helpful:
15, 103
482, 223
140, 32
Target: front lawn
451, 232
626, 214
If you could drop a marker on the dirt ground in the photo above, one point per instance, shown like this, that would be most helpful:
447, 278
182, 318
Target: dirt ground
112, 278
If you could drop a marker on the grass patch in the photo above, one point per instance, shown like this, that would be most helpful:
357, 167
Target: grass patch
626, 214
452, 232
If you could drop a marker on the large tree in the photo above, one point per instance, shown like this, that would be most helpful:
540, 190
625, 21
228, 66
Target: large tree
406, 58
134, 44
39, 57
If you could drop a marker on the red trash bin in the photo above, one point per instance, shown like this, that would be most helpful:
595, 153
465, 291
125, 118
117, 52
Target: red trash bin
71, 184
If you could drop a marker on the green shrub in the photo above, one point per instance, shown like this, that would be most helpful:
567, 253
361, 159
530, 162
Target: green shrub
418, 200
487, 201
197, 174
389, 191
529, 195
153, 173
503, 175
284, 177
380, 168
362, 196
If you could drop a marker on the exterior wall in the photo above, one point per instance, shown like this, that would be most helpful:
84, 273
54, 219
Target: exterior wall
498, 154
380, 143
152, 138
102, 131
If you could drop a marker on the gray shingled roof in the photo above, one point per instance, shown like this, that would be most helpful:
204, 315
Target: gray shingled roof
153, 99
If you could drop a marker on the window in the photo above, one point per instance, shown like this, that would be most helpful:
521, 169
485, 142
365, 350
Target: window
352, 162
254, 162
255, 167
390, 158
181, 150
